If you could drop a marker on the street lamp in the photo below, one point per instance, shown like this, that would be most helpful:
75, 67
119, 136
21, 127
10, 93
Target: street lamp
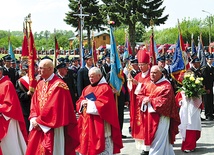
209, 24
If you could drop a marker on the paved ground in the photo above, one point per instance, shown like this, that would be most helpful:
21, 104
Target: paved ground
205, 145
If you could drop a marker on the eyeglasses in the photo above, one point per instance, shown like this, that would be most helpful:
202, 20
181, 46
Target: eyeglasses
142, 64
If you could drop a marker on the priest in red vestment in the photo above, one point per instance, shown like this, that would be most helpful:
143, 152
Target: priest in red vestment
98, 124
53, 124
13, 134
135, 84
159, 113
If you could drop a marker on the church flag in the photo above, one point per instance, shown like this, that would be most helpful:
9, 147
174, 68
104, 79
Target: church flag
94, 50
201, 55
31, 61
193, 48
116, 77
178, 65
56, 51
25, 52
10, 49
152, 51
128, 46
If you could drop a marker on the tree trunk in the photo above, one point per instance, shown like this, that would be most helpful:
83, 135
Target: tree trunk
132, 31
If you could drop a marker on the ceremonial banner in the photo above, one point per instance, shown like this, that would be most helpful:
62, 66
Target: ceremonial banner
201, 55
116, 73
25, 52
56, 51
152, 52
178, 65
31, 62
10, 49
128, 46
194, 52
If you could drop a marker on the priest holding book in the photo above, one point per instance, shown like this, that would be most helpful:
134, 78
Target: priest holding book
98, 123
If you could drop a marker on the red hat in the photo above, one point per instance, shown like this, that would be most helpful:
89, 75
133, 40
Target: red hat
142, 56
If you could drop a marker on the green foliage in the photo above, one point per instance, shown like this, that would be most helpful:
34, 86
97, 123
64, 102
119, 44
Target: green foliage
92, 22
119, 34
192, 86
188, 27
133, 11
140, 30
43, 40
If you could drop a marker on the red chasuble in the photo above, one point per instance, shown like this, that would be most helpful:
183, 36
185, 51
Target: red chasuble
53, 107
135, 114
10, 107
91, 127
163, 102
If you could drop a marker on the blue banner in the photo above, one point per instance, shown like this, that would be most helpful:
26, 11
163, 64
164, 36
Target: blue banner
116, 77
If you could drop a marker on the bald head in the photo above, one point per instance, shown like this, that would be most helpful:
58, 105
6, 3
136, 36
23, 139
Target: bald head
45, 68
156, 73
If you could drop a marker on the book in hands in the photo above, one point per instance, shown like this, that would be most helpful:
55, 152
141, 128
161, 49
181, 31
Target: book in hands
91, 97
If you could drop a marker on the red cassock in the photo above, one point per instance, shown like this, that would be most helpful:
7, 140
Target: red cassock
53, 107
163, 102
135, 114
10, 107
91, 127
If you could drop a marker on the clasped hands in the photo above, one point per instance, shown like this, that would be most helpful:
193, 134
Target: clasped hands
85, 103
36, 125
146, 100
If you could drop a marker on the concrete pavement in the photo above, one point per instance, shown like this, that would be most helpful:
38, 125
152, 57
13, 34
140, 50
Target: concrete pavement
205, 145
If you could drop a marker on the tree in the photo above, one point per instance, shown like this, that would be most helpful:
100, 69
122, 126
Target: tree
92, 22
188, 27
140, 30
133, 11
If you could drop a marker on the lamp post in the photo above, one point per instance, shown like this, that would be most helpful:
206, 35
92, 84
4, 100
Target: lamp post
209, 24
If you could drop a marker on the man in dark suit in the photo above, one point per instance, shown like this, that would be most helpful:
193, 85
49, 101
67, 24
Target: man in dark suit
106, 66
82, 74
208, 75
134, 66
9, 71
62, 72
197, 70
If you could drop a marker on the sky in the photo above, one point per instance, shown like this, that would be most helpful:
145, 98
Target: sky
49, 14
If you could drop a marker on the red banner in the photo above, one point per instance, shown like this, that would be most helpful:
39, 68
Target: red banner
31, 62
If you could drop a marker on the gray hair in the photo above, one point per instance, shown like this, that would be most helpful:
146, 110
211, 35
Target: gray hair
95, 70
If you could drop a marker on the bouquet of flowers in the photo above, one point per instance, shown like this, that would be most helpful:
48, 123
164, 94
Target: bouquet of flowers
192, 86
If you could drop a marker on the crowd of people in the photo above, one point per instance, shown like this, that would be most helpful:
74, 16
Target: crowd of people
74, 109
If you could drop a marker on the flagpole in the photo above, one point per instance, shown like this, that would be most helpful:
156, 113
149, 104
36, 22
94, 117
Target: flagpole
54, 58
92, 51
32, 56
8, 52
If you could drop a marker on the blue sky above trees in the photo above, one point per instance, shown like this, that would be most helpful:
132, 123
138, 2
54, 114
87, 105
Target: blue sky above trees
49, 14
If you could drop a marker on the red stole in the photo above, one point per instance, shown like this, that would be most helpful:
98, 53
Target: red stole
53, 107
91, 127
25, 81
